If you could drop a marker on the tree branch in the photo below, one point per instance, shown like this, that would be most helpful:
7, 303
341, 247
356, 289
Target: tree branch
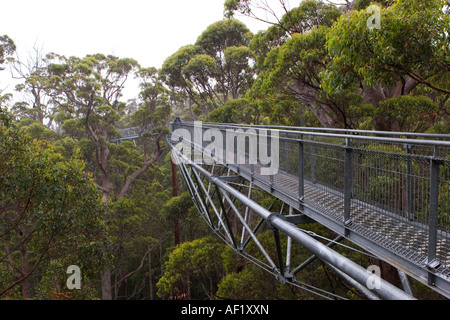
155, 155
32, 269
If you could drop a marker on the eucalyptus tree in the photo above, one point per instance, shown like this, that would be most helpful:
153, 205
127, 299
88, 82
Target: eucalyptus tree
227, 43
409, 47
51, 216
345, 72
290, 57
408, 51
193, 270
7, 48
218, 67
87, 93
36, 100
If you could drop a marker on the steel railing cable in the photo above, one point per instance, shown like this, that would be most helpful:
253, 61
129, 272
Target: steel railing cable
315, 235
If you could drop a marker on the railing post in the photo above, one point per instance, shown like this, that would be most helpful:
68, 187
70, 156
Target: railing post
313, 160
433, 262
252, 165
348, 184
409, 184
301, 173
286, 154
269, 147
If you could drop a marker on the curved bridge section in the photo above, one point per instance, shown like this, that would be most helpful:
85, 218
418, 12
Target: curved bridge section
389, 193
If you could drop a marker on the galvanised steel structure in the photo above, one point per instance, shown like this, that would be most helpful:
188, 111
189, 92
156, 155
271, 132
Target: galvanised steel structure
127, 134
387, 192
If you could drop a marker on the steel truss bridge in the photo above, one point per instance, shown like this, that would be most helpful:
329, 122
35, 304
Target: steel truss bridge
386, 192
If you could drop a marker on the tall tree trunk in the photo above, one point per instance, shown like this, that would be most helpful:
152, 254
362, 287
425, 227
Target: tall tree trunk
388, 272
188, 283
106, 190
106, 286
175, 194
374, 95
308, 96
150, 275
25, 284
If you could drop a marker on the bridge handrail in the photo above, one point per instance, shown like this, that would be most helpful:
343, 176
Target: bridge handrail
306, 130
349, 133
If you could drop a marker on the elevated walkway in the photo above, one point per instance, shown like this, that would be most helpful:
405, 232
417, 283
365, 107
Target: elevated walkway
389, 193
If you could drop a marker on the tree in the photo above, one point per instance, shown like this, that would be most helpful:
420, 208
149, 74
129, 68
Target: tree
34, 73
297, 55
410, 48
215, 69
198, 262
7, 48
87, 93
227, 43
236, 111
173, 77
50, 210
340, 71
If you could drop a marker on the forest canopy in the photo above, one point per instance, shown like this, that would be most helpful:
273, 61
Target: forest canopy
71, 194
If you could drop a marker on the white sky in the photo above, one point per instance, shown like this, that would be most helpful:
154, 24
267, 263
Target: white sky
148, 31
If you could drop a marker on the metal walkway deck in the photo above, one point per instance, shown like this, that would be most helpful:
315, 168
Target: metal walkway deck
388, 195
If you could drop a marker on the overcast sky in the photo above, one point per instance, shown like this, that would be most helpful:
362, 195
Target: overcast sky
148, 31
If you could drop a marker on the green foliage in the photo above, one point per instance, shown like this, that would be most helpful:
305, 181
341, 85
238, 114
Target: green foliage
7, 48
412, 113
38, 131
223, 34
201, 260
235, 111
245, 280
216, 68
314, 66
50, 210
310, 14
232, 284
171, 69
412, 41
241, 6
290, 58
363, 4
307, 16
178, 206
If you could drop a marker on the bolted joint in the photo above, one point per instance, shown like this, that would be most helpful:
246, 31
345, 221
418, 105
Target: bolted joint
271, 217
